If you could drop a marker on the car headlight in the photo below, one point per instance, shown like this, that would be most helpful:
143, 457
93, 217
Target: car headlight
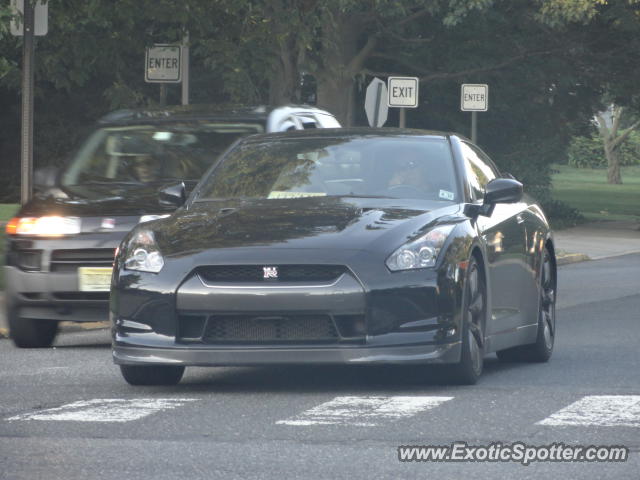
420, 253
142, 253
49, 226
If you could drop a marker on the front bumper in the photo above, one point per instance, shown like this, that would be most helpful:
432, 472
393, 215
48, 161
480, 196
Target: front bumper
238, 356
411, 317
53, 296
41, 276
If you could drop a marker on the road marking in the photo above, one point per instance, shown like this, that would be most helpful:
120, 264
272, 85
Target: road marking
599, 410
363, 411
105, 410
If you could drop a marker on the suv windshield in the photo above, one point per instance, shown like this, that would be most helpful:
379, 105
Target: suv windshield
349, 166
145, 154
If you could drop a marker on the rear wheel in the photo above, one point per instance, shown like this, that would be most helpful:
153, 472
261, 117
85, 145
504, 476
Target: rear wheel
541, 350
30, 332
474, 311
152, 374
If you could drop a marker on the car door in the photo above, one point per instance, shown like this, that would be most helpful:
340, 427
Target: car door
503, 233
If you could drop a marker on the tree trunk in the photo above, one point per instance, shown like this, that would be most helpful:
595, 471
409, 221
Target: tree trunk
336, 96
341, 62
613, 163
284, 79
608, 124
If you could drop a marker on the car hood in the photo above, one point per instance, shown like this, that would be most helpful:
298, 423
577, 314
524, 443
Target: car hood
96, 200
327, 223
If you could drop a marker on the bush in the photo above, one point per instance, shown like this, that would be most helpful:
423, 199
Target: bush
560, 214
588, 152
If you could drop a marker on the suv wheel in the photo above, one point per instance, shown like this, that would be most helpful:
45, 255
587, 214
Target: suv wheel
32, 333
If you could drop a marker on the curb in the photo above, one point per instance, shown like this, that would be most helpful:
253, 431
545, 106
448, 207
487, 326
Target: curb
569, 258
77, 326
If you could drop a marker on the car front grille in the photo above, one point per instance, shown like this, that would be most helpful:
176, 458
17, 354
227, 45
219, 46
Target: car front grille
70, 260
269, 329
257, 273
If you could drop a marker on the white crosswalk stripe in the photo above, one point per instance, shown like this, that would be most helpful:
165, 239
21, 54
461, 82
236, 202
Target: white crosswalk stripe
105, 410
364, 411
599, 410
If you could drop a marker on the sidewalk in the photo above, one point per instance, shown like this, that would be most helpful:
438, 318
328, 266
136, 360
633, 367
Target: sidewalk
591, 241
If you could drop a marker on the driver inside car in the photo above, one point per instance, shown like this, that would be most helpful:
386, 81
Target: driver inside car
145, 168
409, 169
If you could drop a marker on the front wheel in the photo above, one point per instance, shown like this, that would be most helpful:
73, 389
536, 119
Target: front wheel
152, 374
474, 309
31, 332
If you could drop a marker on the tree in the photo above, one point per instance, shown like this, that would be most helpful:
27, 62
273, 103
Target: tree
608, 123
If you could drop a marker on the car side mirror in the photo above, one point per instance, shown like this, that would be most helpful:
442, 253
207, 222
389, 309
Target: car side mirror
45, 177
173, 195
502, 190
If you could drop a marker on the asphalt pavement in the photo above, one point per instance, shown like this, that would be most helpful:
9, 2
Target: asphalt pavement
65, 412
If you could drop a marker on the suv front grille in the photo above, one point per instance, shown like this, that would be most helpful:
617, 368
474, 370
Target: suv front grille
298, 328
70, 260
285, 273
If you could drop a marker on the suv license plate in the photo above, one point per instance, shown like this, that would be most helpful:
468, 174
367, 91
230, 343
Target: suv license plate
94, 279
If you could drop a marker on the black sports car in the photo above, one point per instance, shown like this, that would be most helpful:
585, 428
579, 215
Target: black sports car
338, 246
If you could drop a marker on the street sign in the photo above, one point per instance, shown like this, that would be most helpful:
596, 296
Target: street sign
474, 97
162, 64
41, 12
375, 105
403, 92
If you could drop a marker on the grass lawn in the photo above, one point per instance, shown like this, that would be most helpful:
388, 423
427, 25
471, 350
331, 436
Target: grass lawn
588, 191
6, 212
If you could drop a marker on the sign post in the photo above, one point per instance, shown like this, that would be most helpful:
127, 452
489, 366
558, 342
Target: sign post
185, 69
34, 22
474, 98
403, 94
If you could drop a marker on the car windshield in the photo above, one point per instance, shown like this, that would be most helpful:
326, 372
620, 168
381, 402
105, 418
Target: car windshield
393, 167
152, 153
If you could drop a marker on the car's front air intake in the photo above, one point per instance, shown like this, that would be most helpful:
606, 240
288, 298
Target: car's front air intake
270, 273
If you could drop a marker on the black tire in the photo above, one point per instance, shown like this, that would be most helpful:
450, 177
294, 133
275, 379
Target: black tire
474, 312
31, 333
541, 350
152, 374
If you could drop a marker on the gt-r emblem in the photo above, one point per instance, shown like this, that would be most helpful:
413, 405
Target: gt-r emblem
270, 272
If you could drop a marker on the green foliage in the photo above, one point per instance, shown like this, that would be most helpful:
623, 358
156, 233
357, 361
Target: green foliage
588, 152
563, 53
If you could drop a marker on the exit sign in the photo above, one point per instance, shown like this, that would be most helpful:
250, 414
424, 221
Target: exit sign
403, 92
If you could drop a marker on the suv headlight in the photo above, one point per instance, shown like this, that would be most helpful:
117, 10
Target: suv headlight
142, 253
50, 226
420, 253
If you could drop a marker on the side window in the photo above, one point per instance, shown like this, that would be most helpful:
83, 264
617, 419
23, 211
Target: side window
307, 122
480, 169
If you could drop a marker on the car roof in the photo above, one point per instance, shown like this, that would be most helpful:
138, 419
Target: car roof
351, 132
200, 112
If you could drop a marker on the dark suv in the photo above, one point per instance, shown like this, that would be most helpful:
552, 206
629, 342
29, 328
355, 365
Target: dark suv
61, 244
